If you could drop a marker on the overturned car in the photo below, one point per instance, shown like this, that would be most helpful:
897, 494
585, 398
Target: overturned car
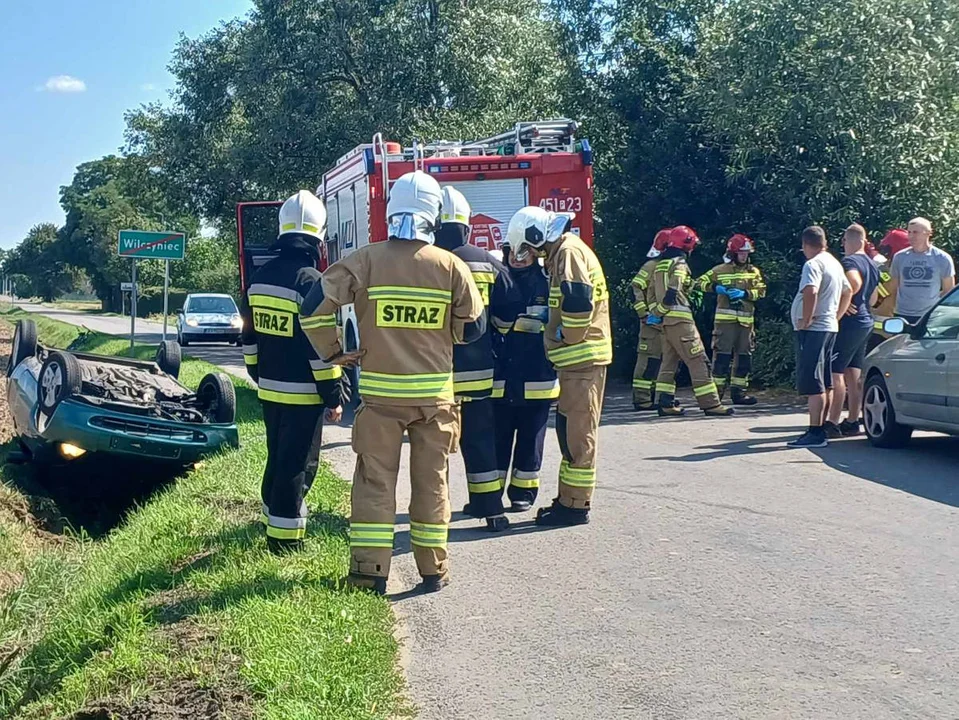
66, 405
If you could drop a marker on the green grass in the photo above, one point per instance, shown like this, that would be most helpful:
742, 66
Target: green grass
51, 332
184, 591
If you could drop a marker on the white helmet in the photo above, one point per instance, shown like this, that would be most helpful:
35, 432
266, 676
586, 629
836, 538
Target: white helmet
456, 209
414, 207
532, 227
305, 214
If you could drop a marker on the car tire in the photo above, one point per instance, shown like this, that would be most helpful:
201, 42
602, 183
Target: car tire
879, 416
60, 378
169, 358
218, 398
24, 344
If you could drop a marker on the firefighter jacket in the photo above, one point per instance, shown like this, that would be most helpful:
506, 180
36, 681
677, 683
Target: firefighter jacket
277, 353
413, 301
641, 283
578, 332
885, 306
523, 372
473, 364
742, 277
670, 287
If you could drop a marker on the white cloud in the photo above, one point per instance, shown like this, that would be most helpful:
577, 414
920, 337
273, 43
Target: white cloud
148, 87
64, 84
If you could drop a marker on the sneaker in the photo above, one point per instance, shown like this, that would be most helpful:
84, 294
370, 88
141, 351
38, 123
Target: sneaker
519, 506
850, 428
832, 430
809, 439
434, 583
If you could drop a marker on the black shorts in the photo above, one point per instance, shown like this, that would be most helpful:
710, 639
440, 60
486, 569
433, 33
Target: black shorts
813, 360
850, 348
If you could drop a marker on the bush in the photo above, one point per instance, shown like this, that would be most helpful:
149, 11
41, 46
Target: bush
774, 362
150, 301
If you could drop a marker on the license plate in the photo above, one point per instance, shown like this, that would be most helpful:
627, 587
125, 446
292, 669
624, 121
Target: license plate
145, 447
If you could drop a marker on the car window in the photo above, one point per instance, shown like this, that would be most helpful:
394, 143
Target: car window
943, 320
224, 306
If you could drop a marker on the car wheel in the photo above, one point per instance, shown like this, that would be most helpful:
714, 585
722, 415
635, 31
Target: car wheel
60, 378
217, 398
169, 358
879, 416
24, 344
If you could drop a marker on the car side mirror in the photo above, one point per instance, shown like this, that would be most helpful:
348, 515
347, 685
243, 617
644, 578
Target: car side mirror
895, 326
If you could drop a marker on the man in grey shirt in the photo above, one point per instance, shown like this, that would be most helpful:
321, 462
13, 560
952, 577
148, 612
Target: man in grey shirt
823, 297
921, 274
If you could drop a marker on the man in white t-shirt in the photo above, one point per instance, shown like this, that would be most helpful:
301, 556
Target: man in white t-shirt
823, 297
921, 274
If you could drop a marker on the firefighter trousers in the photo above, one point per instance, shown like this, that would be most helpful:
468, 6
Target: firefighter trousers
577, 428
681, 341
477, 444
377, 441
732, 339
293, 438
649, 356
520, 436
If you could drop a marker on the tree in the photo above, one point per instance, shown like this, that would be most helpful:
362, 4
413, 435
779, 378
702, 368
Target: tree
43, 271
106, 196
264, 106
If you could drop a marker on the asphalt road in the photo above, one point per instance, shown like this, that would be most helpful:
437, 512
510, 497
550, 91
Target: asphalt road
723, 576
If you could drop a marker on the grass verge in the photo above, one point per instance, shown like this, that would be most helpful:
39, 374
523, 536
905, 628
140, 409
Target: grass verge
180, 606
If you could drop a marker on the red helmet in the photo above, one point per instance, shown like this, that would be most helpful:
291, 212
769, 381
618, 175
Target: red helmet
739, 243
659, 243
894, 241
684, 238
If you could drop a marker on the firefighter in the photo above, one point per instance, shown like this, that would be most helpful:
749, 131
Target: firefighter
649, 353
413, 301
526, 385
669, 308
294, 383
473, 364
578, 343
738, 284
885, 307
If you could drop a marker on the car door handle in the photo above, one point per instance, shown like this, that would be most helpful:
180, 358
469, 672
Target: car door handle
941, 358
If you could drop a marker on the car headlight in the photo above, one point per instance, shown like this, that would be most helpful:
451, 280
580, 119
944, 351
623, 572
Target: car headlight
192, 322
236, 321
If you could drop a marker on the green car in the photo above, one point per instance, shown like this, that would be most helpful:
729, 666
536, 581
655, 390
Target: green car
67, 405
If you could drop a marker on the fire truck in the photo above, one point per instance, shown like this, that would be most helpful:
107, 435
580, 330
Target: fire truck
534, 163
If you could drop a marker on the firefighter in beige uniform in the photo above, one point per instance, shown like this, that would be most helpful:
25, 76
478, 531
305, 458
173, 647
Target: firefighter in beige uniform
738, 284
649, 353
413, 302
578, 343
681, 341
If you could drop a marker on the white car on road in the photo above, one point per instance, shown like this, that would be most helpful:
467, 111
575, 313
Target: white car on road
912, 379
208, 317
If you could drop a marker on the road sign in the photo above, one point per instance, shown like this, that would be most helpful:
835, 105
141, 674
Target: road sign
165, 245
126, 287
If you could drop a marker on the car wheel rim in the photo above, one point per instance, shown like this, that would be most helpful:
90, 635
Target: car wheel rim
51, 383
875, 411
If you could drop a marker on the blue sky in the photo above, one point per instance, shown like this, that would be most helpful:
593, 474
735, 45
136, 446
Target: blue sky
70, 70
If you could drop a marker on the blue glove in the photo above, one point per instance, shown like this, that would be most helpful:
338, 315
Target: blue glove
654, 320
735, 294
721, 290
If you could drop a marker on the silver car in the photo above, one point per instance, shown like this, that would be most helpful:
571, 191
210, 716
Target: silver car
208, 317
912, 379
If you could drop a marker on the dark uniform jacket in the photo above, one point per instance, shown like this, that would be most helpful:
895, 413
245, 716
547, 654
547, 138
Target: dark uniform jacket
277, 353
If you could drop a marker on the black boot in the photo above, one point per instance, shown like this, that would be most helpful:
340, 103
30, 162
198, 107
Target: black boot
518, 506
367, 583
558, 515
283, 547
497, 523
741, 397
434, 583
468, 511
